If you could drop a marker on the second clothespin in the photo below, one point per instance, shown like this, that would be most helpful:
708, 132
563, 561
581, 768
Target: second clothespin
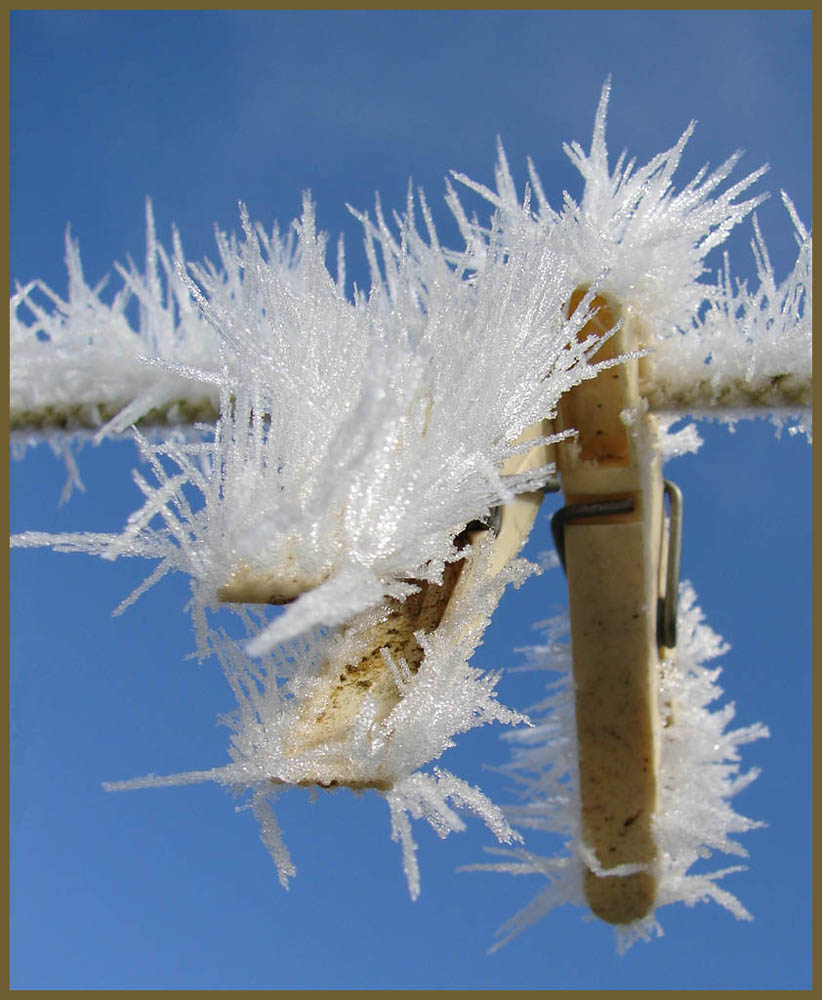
609, 536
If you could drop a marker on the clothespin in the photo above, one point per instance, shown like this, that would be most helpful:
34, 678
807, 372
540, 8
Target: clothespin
622, 596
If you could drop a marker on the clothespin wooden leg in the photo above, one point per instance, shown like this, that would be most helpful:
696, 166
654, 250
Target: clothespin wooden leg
609, 537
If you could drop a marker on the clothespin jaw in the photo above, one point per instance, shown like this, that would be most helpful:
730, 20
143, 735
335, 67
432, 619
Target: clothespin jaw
609, 537
248, 586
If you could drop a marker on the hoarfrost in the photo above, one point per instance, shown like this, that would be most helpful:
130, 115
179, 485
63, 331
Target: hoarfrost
712, 347
355, 440
443, 698
78, 364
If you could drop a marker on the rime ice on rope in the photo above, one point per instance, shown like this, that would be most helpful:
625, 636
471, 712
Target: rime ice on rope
78, 364
381, 426
444, 697
750, 349
78, 368
712, 349
699, 773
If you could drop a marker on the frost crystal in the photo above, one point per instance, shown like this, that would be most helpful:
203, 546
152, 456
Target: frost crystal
699, 774
272, 746
748, 348
355, 440
79, 363
743, 352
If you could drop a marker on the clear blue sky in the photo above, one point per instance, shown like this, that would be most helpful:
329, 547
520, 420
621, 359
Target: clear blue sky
170, 887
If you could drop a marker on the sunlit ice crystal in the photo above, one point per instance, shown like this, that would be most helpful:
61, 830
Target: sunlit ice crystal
355, 439
750, 348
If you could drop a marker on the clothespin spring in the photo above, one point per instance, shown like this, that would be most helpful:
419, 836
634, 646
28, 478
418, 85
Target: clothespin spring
668, 601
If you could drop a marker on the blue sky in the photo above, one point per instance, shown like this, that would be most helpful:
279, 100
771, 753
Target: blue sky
170, 887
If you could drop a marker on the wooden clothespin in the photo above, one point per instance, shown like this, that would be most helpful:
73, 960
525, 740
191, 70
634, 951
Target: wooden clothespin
331, 708
609, 538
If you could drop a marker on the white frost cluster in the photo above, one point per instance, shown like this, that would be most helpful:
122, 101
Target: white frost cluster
699, 774
712, 347
630, 226
747, 347
355, 440
443, 698
80, 363
79, 369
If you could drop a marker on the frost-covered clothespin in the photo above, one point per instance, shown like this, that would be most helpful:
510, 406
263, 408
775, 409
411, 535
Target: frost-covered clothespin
609, 536
387, 651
